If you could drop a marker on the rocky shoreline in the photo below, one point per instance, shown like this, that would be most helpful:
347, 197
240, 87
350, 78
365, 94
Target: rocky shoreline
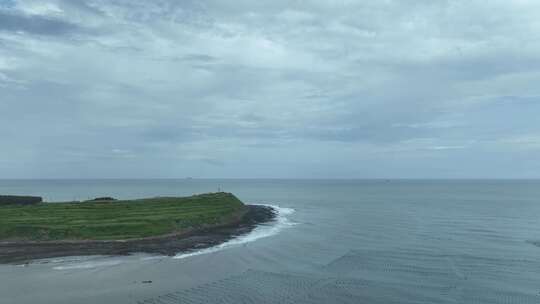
22, 252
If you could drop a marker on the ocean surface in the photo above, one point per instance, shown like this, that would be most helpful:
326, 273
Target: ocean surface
335, 241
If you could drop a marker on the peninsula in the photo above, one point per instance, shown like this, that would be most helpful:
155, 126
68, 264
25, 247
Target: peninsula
105, 226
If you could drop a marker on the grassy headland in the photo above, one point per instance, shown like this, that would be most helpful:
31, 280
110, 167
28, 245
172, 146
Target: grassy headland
118, 219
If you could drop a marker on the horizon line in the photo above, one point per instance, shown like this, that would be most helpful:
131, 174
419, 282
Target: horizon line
272, 178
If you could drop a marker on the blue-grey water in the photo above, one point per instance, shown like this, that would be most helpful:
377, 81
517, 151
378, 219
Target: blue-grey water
336, 241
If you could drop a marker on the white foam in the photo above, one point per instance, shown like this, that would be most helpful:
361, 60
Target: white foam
262, 231
89, 264
152, 257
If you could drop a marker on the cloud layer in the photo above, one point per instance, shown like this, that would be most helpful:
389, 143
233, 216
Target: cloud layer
444, 89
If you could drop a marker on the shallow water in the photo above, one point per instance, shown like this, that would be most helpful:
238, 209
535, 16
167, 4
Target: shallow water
344, 241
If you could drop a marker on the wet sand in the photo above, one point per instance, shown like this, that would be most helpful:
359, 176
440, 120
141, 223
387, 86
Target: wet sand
196, 239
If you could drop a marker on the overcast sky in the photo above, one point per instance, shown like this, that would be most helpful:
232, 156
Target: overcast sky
278, 89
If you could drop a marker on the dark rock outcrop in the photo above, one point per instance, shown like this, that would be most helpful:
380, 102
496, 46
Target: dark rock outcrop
102, 199
19, 200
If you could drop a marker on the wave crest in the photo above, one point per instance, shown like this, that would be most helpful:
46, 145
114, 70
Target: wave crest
262, 231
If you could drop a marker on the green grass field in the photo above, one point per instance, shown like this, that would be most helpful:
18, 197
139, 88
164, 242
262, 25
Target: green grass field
116, 220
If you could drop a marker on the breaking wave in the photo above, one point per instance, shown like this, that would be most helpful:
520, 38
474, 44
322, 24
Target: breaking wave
262, 231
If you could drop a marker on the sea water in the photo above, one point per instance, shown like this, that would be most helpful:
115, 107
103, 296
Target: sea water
334, 241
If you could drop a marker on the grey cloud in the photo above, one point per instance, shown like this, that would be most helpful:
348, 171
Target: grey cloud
83, 7
199, 58
33, 24
361, 89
